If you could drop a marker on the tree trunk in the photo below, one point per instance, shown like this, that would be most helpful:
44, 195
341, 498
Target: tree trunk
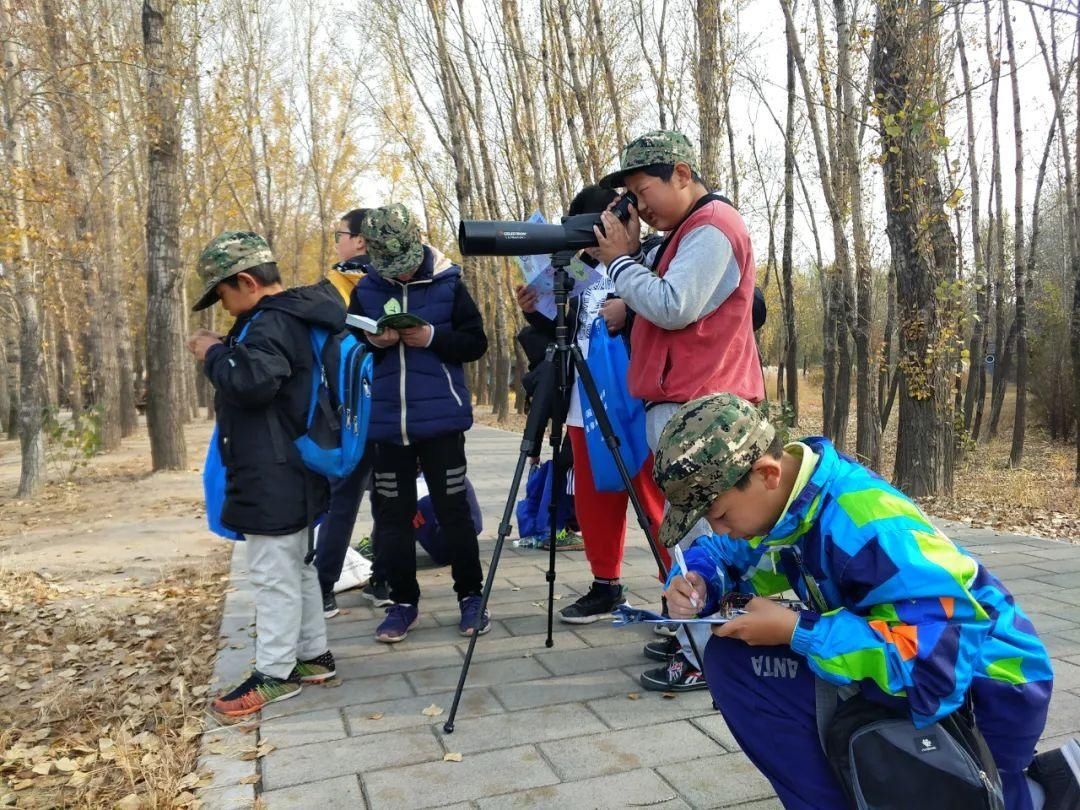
27, 281
84, 251
1001, 351
580, 93
977, 344
707, 68
600, 43
791, 338
905, 47
725, 95
1016, 454
164, 399
511, 19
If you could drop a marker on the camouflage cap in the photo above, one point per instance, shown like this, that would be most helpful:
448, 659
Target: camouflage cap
706, 446
665, 146
227, 254
393, 240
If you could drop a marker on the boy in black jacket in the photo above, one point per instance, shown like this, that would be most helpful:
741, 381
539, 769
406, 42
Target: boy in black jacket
261, 373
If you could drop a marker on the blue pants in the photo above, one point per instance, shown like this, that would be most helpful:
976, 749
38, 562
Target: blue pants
336, 531
767, 698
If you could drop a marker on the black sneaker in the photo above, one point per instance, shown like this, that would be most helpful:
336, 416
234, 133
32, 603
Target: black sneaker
1058, 772
662, 650
377, 592
314, 670
677, 676
329, 605
595, 605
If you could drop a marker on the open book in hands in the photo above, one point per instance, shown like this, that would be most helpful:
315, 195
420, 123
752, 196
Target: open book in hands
398, 320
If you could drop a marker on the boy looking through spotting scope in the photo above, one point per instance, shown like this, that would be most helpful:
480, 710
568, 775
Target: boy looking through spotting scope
694, 296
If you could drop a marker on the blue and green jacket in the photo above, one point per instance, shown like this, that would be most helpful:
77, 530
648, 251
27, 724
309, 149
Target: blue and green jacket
903, 608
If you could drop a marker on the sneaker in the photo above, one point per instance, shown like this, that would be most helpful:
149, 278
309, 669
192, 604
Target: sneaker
250, 696
314, 670
662, 650
470, 609
1058, 772
594, 605
329, 605
565, 540
378, 593
366, 549
400, 619
676, 676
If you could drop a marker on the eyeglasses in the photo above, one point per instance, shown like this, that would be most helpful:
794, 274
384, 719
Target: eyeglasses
339, 234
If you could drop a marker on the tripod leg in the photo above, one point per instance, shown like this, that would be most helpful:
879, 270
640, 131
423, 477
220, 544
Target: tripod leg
612, 442
530, 447
504, 530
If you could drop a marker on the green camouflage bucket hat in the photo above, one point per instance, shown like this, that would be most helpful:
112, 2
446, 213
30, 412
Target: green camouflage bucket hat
393, 240
227, 254
657, 146
706, 447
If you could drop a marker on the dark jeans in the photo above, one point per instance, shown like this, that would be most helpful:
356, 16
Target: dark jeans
443, 461
345, 496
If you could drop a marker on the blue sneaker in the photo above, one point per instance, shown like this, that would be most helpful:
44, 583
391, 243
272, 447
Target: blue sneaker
470, 610
400, 619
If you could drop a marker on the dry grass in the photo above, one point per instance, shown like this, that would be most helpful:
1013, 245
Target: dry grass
104, 688
1038, 498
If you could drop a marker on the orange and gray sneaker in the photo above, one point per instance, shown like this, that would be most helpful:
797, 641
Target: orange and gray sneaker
254, 693
314, 670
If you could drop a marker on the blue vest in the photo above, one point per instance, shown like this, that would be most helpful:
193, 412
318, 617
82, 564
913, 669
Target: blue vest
414, 395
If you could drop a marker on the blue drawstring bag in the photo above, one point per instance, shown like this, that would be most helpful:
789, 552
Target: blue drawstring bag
213, 477
609, 362
533, 517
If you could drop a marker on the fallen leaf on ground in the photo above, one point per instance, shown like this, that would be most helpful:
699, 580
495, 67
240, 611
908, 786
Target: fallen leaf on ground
43, 768
130, 802
66, 765
432, 711
668, 695
375, 716
250, 779
633, 696
451, 757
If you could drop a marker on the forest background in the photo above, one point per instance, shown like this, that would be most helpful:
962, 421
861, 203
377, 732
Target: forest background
909, 172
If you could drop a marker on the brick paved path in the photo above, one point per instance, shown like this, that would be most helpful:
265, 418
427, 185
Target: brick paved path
538, 727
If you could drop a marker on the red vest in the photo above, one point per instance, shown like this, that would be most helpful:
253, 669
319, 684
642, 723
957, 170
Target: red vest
715, 354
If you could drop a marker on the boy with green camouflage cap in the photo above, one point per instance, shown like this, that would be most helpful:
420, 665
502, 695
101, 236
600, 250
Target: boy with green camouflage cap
693, 295
894, 608
421, 408
261, 373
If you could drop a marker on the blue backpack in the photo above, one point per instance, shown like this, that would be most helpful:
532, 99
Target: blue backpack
337, 418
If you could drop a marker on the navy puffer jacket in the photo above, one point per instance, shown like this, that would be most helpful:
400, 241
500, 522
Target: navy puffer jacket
420, 393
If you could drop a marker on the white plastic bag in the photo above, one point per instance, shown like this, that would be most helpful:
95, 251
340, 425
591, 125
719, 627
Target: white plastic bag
355, 572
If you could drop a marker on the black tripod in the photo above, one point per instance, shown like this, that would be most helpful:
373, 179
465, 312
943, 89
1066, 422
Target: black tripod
539, 416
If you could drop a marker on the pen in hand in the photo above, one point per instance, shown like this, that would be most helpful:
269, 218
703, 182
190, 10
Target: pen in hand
680, 561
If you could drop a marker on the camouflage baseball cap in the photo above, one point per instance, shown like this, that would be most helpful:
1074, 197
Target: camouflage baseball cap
706, 447
227, 254
393, 240
656, 146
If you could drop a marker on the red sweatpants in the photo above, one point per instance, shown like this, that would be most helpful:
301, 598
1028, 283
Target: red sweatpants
602, 515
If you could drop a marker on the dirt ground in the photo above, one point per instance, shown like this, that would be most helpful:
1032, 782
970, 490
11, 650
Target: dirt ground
110, 597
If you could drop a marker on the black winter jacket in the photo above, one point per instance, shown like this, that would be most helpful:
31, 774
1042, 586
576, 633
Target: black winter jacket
262, 387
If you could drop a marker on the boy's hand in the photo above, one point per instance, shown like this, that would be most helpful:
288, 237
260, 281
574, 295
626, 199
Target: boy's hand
765, 623
614, 313
417, 337
686, 596
200, 341
526, 298
385, 339
620, 239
